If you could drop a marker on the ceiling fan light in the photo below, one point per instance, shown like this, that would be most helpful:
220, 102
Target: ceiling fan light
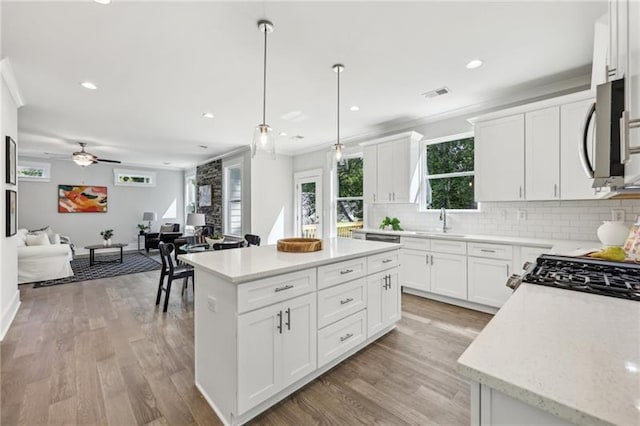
264, 142
83, 159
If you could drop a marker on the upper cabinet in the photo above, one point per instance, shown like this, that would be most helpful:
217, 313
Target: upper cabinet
542, 154
392, 169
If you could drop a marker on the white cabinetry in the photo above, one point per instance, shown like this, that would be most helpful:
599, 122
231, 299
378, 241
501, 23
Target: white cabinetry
414, 269
542, 154
449, 275
499, 159
383, 300
392, 170
487, 278
276, 347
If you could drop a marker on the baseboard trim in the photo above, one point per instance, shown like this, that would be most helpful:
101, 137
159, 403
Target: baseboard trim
9, 315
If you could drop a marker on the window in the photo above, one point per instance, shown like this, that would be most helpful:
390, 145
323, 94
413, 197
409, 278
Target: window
349, 202
34, 171
189, 194
133, 178
449, 174
233, 199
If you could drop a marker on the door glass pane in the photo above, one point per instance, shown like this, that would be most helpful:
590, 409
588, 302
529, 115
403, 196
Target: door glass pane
309, 217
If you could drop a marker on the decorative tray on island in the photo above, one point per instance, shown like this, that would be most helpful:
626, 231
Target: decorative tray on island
299, 245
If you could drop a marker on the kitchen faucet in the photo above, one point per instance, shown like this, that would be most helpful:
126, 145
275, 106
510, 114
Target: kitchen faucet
443, 218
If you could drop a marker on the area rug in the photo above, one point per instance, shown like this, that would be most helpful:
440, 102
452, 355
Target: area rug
132, 263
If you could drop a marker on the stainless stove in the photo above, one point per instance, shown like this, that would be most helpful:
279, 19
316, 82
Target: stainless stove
615, 279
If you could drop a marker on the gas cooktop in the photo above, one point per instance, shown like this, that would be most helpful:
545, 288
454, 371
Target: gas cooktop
616, 279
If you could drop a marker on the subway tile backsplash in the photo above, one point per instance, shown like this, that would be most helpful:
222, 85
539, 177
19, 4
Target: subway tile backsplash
558, 220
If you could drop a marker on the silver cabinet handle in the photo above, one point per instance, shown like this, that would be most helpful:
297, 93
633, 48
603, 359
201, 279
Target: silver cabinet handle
288, 323
347, 300
432, 259
387, 260
346, 336
279, 327
346, 271
394, 196
283, 288
520, 196
555, 189
487, 251
427, 257
389, 196
374, 198
508, 270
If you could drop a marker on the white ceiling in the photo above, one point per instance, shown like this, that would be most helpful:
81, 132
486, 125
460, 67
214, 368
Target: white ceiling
160, 65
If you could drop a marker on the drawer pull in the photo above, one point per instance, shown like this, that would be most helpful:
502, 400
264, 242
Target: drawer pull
387, 260
346, 336
487, 251
346, 271
283, 288
347, 300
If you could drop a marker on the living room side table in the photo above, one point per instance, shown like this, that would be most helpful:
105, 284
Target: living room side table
93, 248
144, 238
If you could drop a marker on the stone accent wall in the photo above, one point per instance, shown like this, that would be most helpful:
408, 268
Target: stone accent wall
211, 174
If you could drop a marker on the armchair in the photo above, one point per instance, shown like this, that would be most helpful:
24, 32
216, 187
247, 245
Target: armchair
168, 233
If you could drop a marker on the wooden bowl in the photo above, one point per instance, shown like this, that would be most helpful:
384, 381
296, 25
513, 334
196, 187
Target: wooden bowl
299, 245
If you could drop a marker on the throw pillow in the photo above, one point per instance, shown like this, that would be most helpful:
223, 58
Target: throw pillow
39, 239
21, 236
166, 228
46, 230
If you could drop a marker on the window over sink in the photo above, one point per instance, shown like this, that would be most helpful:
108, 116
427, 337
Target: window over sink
449, 173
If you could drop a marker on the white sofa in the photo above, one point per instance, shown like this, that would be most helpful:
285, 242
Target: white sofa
42, 262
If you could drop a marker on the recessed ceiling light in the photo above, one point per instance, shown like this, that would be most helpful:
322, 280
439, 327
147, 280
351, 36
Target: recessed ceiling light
88, 85
297, 137
208, 115
283, 133
103, 1
203, 146
354, 108
474, 64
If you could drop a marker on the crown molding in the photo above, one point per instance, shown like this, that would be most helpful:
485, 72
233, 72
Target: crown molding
10, 79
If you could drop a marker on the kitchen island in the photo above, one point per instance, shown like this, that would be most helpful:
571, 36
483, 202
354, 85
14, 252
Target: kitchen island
266, 322
556, 357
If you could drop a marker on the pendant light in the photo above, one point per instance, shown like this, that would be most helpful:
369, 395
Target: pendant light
339, 147
264, 143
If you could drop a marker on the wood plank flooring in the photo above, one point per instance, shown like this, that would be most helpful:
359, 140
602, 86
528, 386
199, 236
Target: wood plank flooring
99, 352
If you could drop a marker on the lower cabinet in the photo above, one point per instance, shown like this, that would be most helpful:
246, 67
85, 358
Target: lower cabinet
449, 275
383, 300
487, 278
414, 269
276, 347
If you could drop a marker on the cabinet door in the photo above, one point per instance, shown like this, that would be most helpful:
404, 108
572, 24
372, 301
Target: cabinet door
449, 275
542, 157
633, 73
487, 278
375, 284
259, 356
298, 338
414, 269
391, 299
499, 159
401, 171
370, 174
385, 172
575, 185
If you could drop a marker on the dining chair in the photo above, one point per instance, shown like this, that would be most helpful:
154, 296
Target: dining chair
252, 240
231, 245
172, 273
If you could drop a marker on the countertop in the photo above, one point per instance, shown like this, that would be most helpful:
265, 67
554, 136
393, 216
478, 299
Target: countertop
573, 354
555, 246
252, 263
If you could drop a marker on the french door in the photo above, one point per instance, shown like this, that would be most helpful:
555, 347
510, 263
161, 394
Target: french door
308, 203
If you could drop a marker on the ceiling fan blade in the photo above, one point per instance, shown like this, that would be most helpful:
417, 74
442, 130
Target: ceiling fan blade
102, 160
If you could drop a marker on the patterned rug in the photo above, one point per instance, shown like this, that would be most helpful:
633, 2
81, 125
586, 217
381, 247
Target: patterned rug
132, 263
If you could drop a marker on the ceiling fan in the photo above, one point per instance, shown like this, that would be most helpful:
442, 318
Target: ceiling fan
84, 158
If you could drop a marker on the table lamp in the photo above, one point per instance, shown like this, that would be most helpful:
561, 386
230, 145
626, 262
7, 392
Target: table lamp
149, 216
197, 221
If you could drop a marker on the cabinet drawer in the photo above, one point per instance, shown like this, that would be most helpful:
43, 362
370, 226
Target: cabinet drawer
491, 251
341, 336
256, 294
341, 301
416, 243
341, 272
383, 261
448, 246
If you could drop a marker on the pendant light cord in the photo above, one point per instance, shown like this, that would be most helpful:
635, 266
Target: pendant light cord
264, 80
338, 111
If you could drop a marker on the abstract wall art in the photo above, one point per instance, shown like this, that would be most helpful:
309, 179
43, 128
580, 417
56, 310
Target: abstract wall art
82, 199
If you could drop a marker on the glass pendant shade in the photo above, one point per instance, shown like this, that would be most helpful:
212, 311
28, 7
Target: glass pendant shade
264, 142
338, 147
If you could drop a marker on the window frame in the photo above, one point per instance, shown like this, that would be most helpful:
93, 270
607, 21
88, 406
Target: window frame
45, 167
425, 177
226, 167
348, 156
117, 173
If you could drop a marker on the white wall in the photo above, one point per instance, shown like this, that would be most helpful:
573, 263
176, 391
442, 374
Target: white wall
272, 198
9, 294
38, 203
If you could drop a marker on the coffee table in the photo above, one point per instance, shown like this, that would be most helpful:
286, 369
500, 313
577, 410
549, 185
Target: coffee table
93, 248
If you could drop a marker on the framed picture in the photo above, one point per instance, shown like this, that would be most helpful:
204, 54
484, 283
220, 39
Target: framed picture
82, 199
204, 195
11, 160
12, 212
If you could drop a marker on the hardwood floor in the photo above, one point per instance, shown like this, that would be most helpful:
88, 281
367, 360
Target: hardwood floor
99, 352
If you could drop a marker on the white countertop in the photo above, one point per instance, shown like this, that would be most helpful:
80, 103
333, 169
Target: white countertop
252, 263
573, 354
556, 246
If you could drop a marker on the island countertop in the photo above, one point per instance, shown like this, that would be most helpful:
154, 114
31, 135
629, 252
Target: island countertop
572, 354
252, 263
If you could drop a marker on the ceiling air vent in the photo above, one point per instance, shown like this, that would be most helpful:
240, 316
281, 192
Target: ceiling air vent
437, 92
297, 137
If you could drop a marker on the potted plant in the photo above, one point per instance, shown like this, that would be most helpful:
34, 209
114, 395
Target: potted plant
106, 236
142, 227
393, 223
